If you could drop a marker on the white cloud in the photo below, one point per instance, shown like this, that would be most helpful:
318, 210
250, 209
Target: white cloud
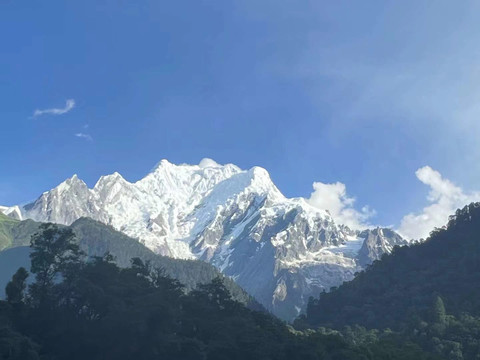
84, 136
444, 196
444, 199
206, 162
69, 105
334, 198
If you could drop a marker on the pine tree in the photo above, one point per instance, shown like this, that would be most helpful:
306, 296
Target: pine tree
439, 314
16, 287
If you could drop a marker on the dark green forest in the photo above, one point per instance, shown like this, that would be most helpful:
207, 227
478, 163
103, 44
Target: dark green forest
80, 307
427, 293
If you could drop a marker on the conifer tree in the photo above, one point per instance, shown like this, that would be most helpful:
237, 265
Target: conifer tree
16, 287
439, 314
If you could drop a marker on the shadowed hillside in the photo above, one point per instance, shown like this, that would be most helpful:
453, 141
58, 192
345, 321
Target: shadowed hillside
96, 239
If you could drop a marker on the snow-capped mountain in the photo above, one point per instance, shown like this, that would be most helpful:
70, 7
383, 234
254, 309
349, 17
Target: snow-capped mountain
281, 250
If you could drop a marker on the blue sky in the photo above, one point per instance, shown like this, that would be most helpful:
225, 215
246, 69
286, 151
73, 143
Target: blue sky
360, 93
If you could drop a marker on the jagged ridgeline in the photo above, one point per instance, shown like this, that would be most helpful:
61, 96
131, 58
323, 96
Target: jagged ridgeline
402, 287
96, 239
281, 250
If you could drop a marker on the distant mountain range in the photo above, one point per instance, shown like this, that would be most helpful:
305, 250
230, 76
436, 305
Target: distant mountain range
281, 250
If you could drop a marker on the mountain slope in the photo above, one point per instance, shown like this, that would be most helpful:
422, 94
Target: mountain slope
96, 239
280, 250
6, 225
404, 284
15, 232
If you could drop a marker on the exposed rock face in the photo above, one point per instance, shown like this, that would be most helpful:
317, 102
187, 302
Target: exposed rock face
281, 250
377, 242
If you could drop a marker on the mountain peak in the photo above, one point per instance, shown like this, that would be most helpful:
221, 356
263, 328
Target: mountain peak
73, 182
74, 179
261, 181
259, 172
109, 179
162, 164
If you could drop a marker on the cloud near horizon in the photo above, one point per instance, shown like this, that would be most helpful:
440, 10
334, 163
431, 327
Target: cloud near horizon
444, 197
334, 198
69, 105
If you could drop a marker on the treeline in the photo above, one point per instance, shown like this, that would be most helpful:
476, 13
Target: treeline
428, 293
78, 308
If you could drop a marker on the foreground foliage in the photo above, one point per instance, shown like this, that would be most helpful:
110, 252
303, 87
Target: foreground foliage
93, 309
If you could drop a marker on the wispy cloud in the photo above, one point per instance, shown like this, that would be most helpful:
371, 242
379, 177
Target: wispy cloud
69, 105
87, 137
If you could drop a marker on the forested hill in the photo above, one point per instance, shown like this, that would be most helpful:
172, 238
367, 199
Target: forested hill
428, 293
406, 282
95, 239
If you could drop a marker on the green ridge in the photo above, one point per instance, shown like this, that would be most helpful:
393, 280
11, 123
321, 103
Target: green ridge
6, 226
